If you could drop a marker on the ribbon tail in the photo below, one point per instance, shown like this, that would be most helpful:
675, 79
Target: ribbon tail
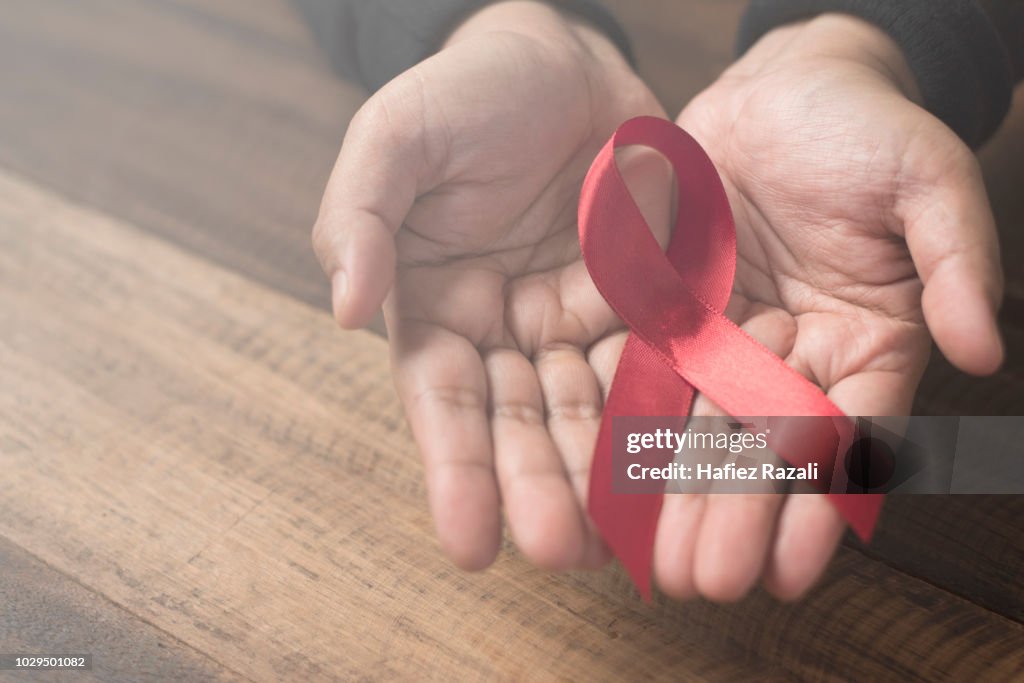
860, 511
643, 385
632, 540
628, 523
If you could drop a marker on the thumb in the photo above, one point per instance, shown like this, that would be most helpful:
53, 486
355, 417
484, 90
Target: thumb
952, 238
370, 192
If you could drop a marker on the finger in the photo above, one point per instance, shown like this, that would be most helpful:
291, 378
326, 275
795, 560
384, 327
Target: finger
952, 238
737, 530
440, 379
543, 514
604, 357
572, 400
675, 544
810, 527
682, 513
371, 189
714, 544
736, 535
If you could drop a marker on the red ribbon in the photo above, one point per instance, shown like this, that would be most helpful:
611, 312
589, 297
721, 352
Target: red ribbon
680, 340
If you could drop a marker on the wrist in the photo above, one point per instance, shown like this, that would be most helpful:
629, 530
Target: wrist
541, 21
840, 37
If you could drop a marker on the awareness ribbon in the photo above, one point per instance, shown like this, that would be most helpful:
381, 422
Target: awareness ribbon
681, 341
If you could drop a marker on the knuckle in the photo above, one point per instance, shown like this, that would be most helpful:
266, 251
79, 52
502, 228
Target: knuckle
524, 413
459, 399
574, 411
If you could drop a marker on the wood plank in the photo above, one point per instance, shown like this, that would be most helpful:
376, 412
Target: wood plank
969, 545
216, 459
214, 125
45, 612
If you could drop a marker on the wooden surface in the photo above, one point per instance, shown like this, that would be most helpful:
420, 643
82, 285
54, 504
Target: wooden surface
200, 479
210, 458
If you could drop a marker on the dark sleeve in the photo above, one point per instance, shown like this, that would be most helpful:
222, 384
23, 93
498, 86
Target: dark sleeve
386, 37
966, 54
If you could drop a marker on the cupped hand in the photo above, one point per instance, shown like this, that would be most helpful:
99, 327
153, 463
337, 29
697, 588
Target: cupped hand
862, 226
454, 198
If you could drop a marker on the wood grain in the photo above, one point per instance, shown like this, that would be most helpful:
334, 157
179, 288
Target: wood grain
215, 459
969, 545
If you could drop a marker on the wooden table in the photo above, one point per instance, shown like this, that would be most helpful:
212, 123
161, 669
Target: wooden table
202, 479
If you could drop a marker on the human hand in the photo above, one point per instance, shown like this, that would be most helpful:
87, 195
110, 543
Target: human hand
862, 225
455, 196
